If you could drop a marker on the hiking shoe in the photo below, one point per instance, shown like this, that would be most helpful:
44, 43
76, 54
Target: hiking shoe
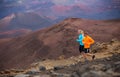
93, 57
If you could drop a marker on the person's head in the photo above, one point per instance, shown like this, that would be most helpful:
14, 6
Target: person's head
85, 33
80, 31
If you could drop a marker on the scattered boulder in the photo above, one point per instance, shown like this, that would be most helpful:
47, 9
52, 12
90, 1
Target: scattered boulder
42, 76
22, 75
97, 67
33, 72
106, 67
74, 75
42, 68
58, 67
98, 47
116, 68
95, 74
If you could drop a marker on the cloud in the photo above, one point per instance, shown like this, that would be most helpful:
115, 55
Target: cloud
70, 10
60, 9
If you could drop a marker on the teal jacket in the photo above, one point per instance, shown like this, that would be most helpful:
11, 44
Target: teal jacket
80, 38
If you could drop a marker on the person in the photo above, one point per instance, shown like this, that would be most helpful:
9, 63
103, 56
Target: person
87, 41
80, 38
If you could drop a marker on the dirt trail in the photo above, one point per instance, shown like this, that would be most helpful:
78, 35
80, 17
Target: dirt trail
49, 64
105, 52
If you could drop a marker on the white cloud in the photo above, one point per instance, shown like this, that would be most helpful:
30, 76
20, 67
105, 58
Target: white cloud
20, 1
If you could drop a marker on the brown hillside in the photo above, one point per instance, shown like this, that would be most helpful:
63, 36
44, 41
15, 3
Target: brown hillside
15, 23
54, 41
14, 33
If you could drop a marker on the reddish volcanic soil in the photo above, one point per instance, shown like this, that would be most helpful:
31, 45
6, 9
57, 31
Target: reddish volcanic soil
54, 41
14, 33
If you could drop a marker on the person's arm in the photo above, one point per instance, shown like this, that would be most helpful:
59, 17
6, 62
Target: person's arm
77, 40
83, 41
80, 38
91, 40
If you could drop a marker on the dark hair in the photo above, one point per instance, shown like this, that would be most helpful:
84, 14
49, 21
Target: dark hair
86, 33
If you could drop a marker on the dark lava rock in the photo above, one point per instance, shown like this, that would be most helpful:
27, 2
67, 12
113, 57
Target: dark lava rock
58, 67
74, 75
95, 74
42, 68
33, 72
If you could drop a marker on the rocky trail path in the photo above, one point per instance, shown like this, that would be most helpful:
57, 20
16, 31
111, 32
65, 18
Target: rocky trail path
50, 64
64, 67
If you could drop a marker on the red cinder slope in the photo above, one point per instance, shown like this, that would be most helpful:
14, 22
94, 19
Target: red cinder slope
54, 41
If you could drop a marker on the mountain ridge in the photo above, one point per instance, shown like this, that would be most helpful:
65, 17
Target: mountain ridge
17, 21
54, 41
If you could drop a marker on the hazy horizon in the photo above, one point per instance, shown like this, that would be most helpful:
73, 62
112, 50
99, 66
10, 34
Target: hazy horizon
55, 9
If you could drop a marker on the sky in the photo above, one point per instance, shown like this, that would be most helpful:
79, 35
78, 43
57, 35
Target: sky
54, 9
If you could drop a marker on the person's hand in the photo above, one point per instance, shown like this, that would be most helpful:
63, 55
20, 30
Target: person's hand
77, 40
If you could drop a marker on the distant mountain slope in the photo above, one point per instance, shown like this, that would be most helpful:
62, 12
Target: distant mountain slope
14, 33
54, 41
29, 21
19, 21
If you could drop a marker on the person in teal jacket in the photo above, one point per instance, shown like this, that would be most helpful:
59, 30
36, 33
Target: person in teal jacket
80, 39
82, 48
